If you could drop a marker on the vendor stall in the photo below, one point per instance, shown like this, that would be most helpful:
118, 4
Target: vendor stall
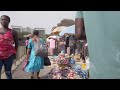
64, 66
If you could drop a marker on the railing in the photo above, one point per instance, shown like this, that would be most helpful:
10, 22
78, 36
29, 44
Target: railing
20, 53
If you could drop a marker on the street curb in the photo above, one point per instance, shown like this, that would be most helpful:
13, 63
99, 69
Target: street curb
14, 66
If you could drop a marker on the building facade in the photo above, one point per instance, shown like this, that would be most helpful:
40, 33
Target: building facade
17, 28
41, 32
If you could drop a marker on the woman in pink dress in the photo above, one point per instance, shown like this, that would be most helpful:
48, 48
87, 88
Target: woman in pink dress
7, 51
26, 43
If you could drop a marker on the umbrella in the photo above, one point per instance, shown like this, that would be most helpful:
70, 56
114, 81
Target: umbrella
54, 37
68, 30
47, 40
58, 29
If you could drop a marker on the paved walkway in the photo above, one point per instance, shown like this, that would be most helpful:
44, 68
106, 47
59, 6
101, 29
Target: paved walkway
14, 67
20, 74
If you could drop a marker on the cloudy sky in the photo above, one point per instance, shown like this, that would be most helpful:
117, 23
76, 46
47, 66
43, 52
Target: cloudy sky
41, 19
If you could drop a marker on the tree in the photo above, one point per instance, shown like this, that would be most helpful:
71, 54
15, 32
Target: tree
21, 35
66, 22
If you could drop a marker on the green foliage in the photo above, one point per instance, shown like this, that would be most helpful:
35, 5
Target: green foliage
21, 35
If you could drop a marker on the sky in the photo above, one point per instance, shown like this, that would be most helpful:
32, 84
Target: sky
41, 19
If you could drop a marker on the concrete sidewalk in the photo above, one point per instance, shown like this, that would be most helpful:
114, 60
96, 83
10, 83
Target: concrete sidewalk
14, 67
18, 73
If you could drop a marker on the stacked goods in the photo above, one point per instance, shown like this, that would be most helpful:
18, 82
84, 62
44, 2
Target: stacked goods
67, 68
77, 57
63, 70
82, 69
57, 73
62, 61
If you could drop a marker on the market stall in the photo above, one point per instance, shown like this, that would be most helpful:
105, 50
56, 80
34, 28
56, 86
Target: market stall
57, 30
64, 66
68, 30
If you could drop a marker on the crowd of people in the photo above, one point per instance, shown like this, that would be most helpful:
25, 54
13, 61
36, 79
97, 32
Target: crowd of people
92, 31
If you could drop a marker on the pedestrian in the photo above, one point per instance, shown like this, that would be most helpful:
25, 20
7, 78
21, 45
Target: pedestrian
8, 37
26, 42
67, 43
101, 27
35, 63
77, 50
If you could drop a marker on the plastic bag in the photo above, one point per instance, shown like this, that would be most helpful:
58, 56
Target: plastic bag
40, 49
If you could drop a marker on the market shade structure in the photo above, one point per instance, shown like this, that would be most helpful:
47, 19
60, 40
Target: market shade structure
57, 30
68, 30
54, 37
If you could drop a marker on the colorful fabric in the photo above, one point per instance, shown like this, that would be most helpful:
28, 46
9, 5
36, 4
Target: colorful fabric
26, 42
6, 45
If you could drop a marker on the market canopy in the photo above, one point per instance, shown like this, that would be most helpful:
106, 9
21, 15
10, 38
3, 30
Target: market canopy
57, 30
53, 37
68, 30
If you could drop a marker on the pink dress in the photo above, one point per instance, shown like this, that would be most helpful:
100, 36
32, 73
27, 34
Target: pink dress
6, 45
52, 43
26, 42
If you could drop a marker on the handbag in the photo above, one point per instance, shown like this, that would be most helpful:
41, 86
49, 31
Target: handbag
47, 61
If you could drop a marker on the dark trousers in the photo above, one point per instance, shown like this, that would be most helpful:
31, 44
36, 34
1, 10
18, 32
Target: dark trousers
8, 65
66, 48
